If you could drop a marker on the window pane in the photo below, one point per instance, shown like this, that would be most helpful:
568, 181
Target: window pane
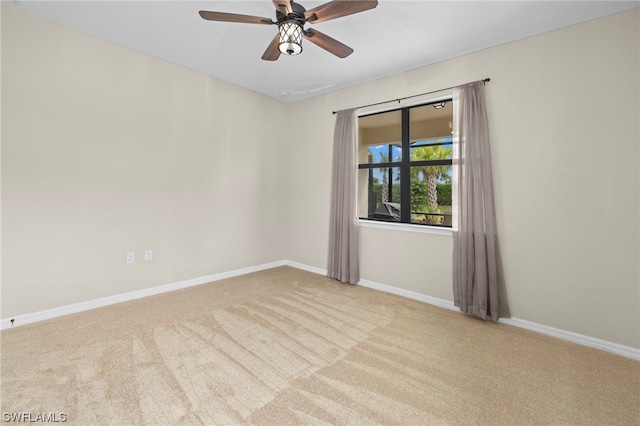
428, 122
425, 150
384, 153
426, 141
380, 137
379, 193
431, 195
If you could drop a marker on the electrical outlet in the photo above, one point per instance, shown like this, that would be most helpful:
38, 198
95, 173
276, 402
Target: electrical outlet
148, 255
131, 257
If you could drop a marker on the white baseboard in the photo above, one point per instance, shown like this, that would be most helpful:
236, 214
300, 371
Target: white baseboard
442, 303
24, 319
307, 268
581, 339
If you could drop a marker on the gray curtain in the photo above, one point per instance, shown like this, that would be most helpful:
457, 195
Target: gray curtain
478, 281
343, 228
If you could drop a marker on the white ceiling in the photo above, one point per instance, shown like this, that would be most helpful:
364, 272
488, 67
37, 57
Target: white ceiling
394, 37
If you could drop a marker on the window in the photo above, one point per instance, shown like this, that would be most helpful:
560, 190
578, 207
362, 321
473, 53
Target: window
405, 171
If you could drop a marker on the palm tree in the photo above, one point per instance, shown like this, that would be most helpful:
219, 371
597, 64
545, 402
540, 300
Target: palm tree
431, 174
384, 158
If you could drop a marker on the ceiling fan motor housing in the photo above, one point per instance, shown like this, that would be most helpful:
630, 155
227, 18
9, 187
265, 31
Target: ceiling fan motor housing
297, 15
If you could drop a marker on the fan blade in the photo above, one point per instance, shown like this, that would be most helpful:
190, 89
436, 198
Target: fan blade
329, 44
284, 6
338, 8
234, 17
272, 53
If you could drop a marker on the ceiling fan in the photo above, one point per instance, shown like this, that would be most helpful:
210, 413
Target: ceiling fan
290, 19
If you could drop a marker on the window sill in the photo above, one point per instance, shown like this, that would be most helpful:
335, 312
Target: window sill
406, 227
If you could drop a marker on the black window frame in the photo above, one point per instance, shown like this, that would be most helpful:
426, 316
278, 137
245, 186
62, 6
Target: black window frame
405, 165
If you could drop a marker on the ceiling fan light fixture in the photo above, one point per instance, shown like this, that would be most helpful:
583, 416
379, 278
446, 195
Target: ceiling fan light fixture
290, 38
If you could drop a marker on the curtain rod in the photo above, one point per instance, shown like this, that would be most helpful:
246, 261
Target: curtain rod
485, 80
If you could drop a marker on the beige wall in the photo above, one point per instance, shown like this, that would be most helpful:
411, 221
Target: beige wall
564, 110
106, 150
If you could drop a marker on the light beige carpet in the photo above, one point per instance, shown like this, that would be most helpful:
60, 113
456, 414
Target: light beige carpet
285, 346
